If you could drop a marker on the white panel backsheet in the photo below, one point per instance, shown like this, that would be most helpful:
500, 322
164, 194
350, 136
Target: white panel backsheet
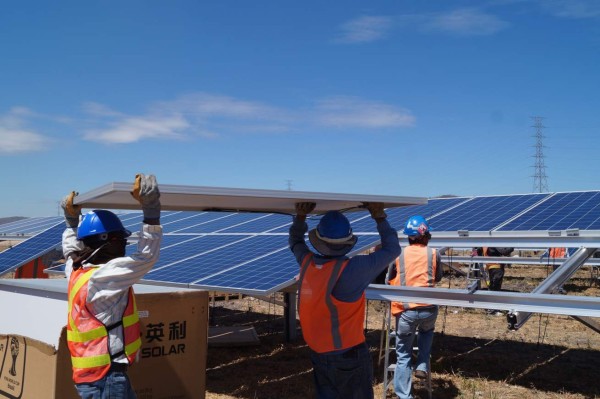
197, 198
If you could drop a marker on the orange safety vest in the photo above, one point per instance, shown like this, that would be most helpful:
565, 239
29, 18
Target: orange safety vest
327, 323
420, 273
490, 265
87, 337
557, 252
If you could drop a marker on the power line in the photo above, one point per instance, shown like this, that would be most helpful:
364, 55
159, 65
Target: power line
540, 180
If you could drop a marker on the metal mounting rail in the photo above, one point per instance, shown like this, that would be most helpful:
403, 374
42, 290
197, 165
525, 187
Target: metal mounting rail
514, 260
524, 239
513, 302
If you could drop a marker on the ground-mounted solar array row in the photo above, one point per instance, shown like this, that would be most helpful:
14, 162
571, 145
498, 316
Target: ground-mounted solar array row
249, 251
31, 249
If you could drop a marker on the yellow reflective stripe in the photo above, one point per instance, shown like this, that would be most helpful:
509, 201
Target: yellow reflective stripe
77, 336
91, 361
130, 320
134, 317
85, 277
132, 347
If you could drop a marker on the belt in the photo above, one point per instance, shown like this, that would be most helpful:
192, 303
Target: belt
118, 367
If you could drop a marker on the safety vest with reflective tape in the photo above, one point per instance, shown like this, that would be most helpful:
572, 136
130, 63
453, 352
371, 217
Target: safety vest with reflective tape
420, 273
327, 323
557, 252
87, 337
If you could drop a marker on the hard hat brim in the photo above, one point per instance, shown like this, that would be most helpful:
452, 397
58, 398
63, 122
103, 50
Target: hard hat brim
328, 249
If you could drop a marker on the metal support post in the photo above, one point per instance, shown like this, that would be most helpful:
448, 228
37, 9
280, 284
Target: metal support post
556, 279
289, 315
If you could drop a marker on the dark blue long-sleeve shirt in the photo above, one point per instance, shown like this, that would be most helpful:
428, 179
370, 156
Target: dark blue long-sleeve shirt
361, 269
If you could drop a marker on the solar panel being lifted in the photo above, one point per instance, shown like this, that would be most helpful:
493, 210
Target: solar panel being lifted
198, 198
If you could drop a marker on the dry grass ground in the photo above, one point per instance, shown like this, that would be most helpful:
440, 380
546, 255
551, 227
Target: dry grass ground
474, 355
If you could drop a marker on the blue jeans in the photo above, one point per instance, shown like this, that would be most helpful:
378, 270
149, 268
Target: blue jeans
347, 375
407, 323
114, 385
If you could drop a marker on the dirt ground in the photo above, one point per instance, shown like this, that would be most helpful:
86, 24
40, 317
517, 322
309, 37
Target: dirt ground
474, 354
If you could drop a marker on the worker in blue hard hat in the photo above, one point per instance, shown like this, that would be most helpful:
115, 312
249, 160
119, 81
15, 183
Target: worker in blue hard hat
417, 266
103, 329
331, 301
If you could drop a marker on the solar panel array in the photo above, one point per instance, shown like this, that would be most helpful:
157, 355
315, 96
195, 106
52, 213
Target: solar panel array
248, 252
31, 249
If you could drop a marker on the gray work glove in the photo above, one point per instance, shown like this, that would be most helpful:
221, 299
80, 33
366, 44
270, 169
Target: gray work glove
70, 210
376, 209
145, 191
304, 208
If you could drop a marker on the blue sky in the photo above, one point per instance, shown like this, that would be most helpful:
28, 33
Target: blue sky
404, 97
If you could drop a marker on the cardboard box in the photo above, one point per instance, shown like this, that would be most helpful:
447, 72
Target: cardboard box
172, 361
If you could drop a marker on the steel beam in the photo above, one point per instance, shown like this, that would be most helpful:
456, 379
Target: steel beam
521, 239
516, 319
545, 261
510, 301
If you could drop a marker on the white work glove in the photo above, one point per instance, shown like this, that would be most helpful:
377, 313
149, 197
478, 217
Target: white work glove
71, 211
145, 191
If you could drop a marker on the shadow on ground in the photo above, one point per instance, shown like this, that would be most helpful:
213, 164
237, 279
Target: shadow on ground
279, 369
546, 368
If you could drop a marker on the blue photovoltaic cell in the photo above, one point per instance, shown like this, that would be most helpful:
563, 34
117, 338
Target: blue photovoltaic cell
181, 221
579, 210
244, 249
267, 273
397, 217
190, 247
29, 226
483, 213
311, 221
265, 223
263, 274
216, 222
31, 248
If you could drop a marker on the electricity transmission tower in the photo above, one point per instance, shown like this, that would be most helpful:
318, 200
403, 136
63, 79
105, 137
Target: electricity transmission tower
540, 181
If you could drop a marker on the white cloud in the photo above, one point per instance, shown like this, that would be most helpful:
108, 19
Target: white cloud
209, 116
364, 29
15, 137
15, 140
200, 114
352, 112
206, 105
97, 109
465, 22
572, 8
133, 129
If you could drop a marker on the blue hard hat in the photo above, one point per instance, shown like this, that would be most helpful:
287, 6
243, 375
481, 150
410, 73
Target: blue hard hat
333, 235
99, 222
416, 226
